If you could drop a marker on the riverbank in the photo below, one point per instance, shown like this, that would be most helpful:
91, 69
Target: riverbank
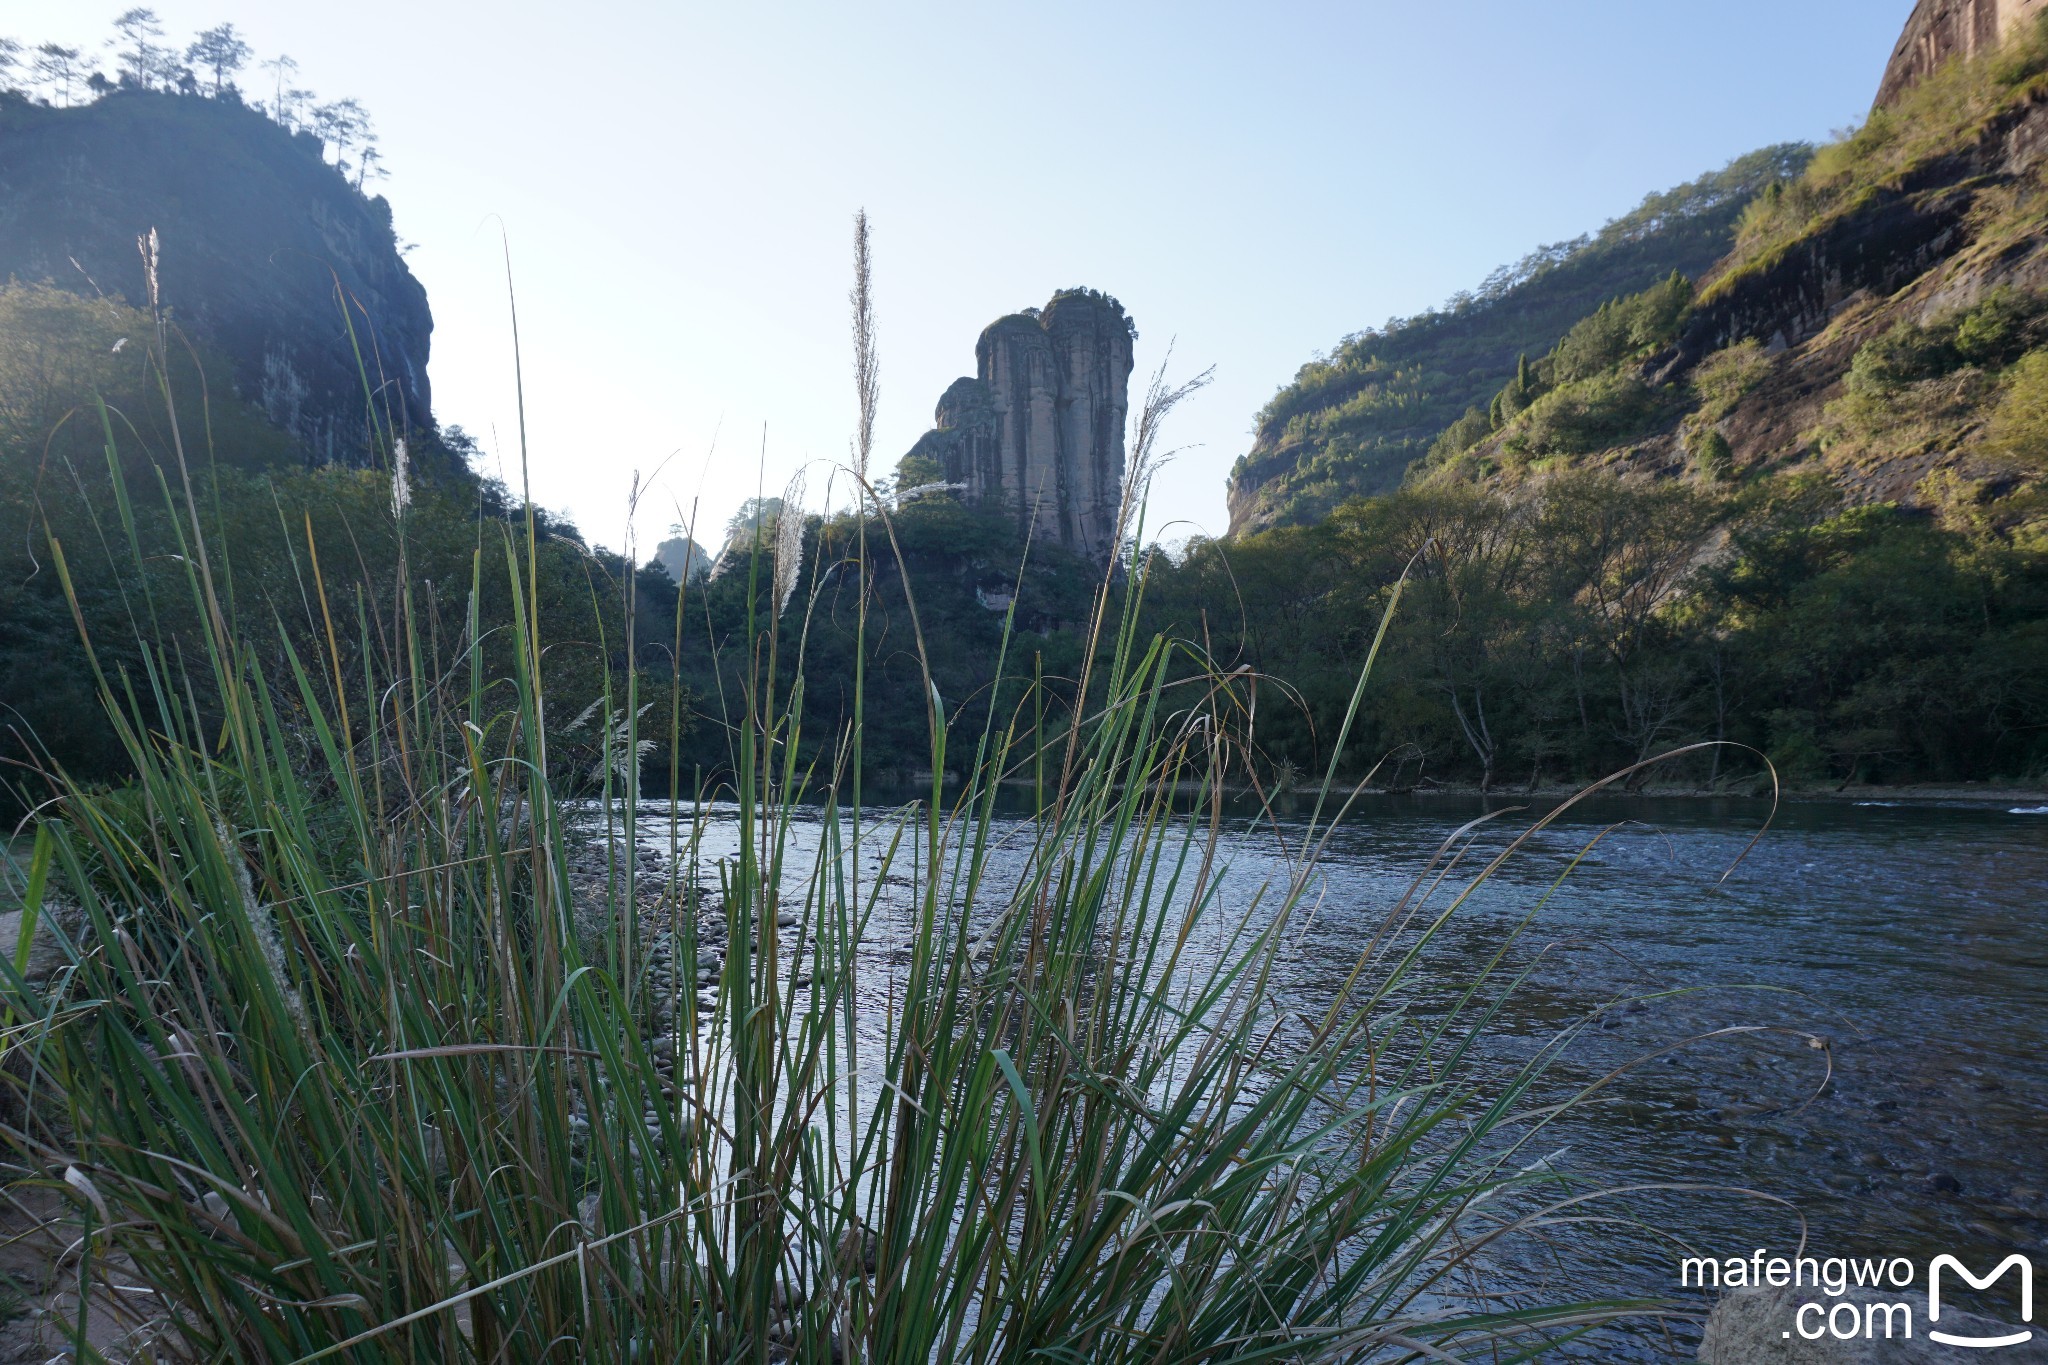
1982, 793
1303, 788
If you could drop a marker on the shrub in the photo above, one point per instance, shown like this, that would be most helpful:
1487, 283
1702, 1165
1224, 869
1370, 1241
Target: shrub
1726, 377
2000, 329
1593, 415
2019, 427
1713, 456
1921, 384
1905, 355
1990, 334
1461, 435
1622, 330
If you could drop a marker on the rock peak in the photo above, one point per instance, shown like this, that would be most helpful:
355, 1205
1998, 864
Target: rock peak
1941, 30
1039, 429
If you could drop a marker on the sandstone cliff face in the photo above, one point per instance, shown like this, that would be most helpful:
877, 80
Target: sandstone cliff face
1943, 29
268, 254
1040, 429
1926, 219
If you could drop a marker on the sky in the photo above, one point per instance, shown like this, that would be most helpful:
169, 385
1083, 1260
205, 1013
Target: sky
677, 184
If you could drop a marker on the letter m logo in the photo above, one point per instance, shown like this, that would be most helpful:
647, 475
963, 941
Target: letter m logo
1940, 1263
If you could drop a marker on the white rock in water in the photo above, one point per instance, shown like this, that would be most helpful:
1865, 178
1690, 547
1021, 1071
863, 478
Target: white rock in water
1759, 1327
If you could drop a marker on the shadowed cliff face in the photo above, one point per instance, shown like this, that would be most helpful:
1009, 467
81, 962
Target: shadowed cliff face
1041, 428
1928, 218
268, 254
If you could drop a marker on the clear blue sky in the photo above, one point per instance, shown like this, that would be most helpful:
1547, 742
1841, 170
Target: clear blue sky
1256, 180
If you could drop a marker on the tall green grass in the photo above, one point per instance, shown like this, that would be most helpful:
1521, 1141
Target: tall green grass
347, 1077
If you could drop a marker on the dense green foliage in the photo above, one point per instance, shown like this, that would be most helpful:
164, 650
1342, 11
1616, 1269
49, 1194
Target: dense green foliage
1588, 394
88, 467
1552, 631
2019, 427
1565, 628
1965, 381
1354, 422
962, 570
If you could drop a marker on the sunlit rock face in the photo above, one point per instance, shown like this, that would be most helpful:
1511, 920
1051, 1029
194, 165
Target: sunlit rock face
1040, 429
1942, 29
268, 253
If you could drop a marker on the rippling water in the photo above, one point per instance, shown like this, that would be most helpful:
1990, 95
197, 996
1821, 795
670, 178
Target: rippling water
1914, 940
1911, 940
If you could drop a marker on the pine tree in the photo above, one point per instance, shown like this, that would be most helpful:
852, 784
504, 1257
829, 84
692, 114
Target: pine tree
142, 61
221, 51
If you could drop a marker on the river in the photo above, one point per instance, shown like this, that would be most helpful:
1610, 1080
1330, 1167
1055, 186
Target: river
1894, 959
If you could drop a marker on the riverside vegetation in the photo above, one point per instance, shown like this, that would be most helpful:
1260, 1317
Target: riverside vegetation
1797, 504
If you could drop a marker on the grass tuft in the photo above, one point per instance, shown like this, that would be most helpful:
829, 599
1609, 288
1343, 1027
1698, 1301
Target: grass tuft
334, 1072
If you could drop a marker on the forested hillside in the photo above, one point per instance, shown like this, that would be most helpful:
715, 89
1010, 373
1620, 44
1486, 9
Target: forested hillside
121, 454
1353, 422
1799, 505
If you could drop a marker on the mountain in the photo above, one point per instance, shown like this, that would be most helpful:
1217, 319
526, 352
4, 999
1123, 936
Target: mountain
1355, 421
1881, 322
269, 255
1793, 503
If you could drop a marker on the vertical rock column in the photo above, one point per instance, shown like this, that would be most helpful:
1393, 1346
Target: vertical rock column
1040, 432
1021, 374
1091, 346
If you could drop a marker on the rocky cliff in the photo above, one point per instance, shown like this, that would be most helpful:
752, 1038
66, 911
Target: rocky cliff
268, 253
1940, 30
1039, 430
